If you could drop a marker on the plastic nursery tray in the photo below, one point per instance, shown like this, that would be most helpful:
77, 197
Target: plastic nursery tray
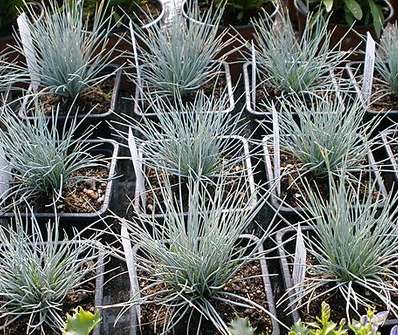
130, 254
140, 207
93, 117
350, 69
287, 277
275, 200
138, 100
104, 147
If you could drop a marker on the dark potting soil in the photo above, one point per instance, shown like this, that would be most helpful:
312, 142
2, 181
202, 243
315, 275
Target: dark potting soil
382, 100
86, 195
336, 300
154, 197
216, 88
247, 283
83, 296
266, 94
291, 185
96, 100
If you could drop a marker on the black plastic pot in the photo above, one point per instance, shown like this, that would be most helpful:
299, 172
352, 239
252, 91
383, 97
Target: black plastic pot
109, 149
249, 92
355, 68
351, 40
288, 234
131, 260
139, 103
140, 207
277, 203
92, 119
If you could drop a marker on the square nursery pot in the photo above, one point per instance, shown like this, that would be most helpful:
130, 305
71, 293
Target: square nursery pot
354, 70
392, 158
99, 286
93, 118
139, 199
284, 209
110, 150
250, 94
135, 312
285, 240
139, 108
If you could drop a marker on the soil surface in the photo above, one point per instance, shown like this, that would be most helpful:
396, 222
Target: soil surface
383, 100
216, 87
336, 300
248, 283
84, 194
291, 185
266, 94
154, 197
96, 100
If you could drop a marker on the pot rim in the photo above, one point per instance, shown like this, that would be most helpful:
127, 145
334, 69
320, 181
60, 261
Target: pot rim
349, 68
108, 191
279, 203
249, 176
287, 277
130, 257
92, 117
229, 91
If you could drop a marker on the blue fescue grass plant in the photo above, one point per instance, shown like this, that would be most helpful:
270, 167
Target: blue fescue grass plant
295, 65
186, 140
353, 246
387, 58
180, 58
41, 159
71, 52
192, 259
327, 133
38, 271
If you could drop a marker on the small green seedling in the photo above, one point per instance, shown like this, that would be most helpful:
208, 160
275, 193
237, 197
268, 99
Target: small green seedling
81, 322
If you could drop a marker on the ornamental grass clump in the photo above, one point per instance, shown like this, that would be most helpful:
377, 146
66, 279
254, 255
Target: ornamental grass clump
289, 65
387, 58
38, 272
327, 134
191, 260
182, 58
72, 54
352, 247
186, 140
41, 159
